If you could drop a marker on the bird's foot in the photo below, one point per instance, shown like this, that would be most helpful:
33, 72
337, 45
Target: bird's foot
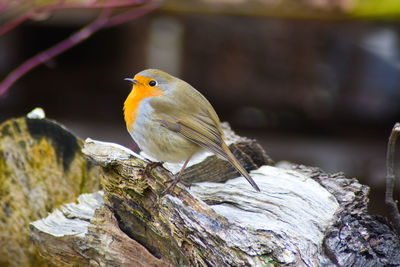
173, 183
150, 166
181, 181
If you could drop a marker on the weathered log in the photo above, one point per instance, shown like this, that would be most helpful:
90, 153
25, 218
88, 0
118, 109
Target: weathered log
355, 238
238, 226
87, 233
41, 167
302, 217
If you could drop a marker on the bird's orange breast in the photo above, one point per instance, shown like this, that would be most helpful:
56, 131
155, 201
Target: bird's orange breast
132, 102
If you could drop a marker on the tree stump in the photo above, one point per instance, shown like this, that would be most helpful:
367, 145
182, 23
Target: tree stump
41, 168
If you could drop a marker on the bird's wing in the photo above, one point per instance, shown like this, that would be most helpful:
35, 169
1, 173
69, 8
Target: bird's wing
195, 124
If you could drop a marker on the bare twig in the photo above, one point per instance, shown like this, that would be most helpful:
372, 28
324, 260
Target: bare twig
34, 10
390, 178
15, 22
104, 20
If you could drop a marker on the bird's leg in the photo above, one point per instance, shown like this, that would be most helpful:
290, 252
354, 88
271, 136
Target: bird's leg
174, 182
181, 181
150, 166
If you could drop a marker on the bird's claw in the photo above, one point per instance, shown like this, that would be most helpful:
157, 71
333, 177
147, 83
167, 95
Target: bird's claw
173, 182
170, 188
150, 166
182, 182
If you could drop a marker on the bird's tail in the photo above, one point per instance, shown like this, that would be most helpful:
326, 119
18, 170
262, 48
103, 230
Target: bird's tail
231, 158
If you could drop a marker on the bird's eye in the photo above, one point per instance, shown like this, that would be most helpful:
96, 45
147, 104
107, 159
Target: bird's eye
152, 83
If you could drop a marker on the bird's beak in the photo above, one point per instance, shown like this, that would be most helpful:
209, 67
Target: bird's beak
131, 80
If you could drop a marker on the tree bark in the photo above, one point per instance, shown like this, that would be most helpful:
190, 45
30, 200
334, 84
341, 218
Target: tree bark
302, 217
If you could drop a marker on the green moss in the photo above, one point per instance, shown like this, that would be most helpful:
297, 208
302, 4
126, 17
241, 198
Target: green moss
130, 192
65, 143
17, 129
268, 261
2, 167
84, 178
22, 145
5, 130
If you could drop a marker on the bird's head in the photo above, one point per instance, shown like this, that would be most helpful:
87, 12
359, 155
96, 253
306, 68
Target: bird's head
147, 83
151, 81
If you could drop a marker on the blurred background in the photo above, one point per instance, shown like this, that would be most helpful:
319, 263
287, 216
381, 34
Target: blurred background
319, 88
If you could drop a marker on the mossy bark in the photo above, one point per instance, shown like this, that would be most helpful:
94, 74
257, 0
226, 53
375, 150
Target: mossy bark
41, 167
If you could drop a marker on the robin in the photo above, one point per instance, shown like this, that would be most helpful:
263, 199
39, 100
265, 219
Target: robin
171, 121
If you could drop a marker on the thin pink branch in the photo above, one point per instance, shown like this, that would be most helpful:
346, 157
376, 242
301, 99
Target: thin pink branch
6, 27
112, 3
15, 22
104, 20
